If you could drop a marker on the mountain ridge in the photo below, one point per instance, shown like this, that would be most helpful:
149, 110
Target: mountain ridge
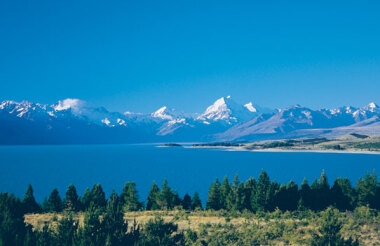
72, 121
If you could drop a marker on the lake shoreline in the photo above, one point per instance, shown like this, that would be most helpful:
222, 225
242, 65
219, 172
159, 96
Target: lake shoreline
229, 148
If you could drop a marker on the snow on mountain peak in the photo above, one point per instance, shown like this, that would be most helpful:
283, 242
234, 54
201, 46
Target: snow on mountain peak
68, 103
250, 107
372, 105
226, 109
163, 113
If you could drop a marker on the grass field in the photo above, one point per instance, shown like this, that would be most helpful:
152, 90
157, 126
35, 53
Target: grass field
275, 228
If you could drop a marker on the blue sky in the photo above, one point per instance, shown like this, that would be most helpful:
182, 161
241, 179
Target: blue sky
139, 55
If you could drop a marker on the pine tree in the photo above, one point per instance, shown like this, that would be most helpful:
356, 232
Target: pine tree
287, 197
186, 202
98, 197
71, 201
249, 192
129, 197
305, 195
213, 201
93, 232
55, 201
366, 189
44, 237
196, 202
342, 193
166, 197
29, 202
324, 196
12, 227
153, 197
261, 199
225, 193
66, 231
114, 224
86, 199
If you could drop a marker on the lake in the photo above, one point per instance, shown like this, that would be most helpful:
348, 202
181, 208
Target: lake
186, 169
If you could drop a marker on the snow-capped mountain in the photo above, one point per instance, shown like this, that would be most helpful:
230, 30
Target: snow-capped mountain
74, 121
227, 110
297, 120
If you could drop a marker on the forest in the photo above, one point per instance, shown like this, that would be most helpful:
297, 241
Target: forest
331, 214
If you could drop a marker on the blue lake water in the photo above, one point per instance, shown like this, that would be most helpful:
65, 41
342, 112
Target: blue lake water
186, 169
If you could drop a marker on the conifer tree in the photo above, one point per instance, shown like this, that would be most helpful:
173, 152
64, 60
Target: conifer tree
324, 196
71, 201
342, 194
225, 193
66, 231
260, 200
29, 202
12, 227
44, 237
305, 195
153, 197
287, 197
129, 197
186, 202
114, 224
98, 197
86, 199
92, 233
249, 191
366, 188
213, 201
55, 201
196, 202
166, 196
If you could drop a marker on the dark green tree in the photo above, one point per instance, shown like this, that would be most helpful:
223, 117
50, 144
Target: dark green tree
343, 195
157, 232
287, 197
225, 193
129, 197
98, 197
249, 191
306, 196
55, 201
71, 200
92, 233
153, 197
196, 202
214, 194
115, 226
12, 226
366, 189
262, 196
66, 231
45, 237
186, 202
166, 199
86, 199
323, 192
29, 202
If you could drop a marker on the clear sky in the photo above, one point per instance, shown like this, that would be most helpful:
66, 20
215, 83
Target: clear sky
139, 55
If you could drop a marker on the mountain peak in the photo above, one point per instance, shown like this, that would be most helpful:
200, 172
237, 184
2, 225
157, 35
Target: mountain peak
163, 113
372, 105
250, 107
228, 110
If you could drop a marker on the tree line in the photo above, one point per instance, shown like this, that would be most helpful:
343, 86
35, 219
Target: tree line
104, 223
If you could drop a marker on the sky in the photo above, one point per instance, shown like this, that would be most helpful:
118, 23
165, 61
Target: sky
140, 55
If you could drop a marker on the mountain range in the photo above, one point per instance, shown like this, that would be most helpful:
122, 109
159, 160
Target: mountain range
72, 121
